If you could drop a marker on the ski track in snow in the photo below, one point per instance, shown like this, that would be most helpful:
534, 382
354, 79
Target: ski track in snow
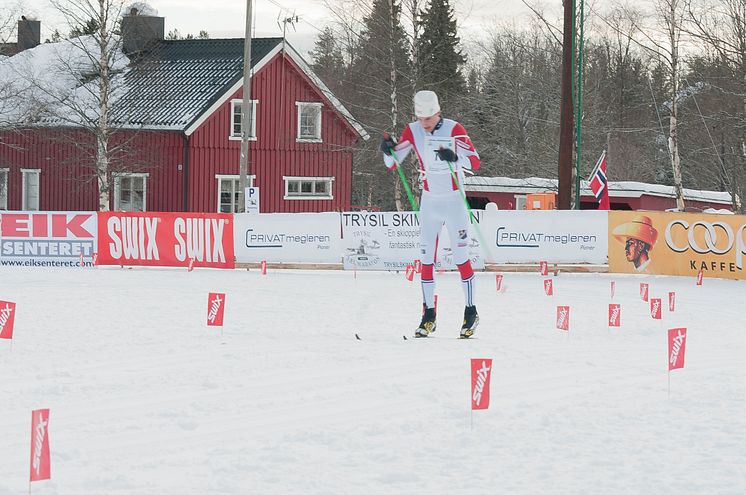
145, 398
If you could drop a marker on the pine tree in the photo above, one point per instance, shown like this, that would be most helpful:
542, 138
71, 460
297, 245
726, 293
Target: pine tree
440, 57
328, 62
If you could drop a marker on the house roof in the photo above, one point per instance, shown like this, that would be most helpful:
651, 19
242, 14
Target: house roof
618, 189
178, 80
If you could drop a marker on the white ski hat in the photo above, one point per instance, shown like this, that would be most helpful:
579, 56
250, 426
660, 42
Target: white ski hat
426, 104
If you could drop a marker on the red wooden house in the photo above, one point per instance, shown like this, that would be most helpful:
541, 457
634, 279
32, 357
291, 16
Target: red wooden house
181, 120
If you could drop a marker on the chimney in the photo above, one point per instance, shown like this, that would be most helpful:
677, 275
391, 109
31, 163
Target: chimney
140, 32
29, 33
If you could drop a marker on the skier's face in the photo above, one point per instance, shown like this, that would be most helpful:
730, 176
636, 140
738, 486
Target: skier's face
429, 123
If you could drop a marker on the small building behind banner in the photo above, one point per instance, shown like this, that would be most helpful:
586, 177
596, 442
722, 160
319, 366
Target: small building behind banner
515, 194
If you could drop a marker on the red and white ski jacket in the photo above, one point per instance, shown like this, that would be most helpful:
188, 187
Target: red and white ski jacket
437, 178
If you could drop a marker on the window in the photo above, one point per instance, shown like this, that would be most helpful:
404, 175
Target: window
520, 202
30, 189
236, 127
3, 188
129, 192
309, 122
308, 187
228, 192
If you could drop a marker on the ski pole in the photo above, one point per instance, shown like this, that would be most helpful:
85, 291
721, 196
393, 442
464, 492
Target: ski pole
401, 176
482, 241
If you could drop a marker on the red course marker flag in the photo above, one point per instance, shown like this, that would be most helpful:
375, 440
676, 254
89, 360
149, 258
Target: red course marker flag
644, 291
613, 288
563, 318
671, 301
409, 272
215, 309
40, 464
7, 317
548, 287
615, 315
499, 282
676, 348
700, 274
655, 308
544, 268
481, 370
263, 266
418, 266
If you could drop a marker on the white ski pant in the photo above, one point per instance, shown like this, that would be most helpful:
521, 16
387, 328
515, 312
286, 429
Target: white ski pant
451, 211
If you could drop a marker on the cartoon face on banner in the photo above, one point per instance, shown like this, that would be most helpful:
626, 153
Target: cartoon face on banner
615, 315
665, 243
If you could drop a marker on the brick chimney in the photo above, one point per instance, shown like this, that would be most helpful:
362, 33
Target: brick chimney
140, 32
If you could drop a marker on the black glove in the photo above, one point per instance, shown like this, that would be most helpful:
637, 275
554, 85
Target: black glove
447, 155
387, 144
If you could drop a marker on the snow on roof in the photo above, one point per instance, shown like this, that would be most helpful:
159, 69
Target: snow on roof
620, 189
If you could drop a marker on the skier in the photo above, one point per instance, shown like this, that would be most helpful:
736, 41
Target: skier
444, 151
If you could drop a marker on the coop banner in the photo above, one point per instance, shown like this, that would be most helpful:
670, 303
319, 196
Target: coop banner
672, 243
166, 239
391, 241
288, 237
45, 239
555, 236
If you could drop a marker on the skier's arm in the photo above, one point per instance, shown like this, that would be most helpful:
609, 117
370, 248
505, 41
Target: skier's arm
401, 150
467, 154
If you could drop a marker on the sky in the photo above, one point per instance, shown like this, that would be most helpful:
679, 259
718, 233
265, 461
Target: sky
145, 398
226, 18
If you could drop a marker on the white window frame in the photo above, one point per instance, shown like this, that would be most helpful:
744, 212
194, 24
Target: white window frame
237, 137
221, 177
6, 173
25, 172
520, 201
118, 188
300, 195
299, 107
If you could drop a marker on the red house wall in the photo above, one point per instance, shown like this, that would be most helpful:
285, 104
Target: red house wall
275, 153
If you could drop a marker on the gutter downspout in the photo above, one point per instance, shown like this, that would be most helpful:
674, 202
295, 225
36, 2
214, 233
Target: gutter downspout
185, 170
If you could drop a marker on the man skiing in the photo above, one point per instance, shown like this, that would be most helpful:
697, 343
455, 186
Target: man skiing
444, 151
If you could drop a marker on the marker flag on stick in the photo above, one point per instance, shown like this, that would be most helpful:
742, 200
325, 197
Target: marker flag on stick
191, 265
644, 291
544, 268
215, 309
700, 274
263, 267
676, 348
655, 308
671, 301
548, 287
409, 272
563, 318
615, 315
40, 464
418, 266
613, 288
481, 371
499, 282
7, 318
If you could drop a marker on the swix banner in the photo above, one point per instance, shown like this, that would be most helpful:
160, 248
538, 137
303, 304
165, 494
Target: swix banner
655, 308
40, 463
544, 268
563, 318
613, 288
615, 315
671, 301
499, 282
418, 266
215, 309
676, 348
166, 239
409, 272
700, 274
644, 291
548, 287
481, 370
263, 267
7, 317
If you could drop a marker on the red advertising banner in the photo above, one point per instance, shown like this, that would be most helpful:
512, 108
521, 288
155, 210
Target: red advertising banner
418, 266
7, 317
548, 287
700, 274
671, 301
409, 272
40, 463
615, 315
263, 267
655, 308
544, 268
215, 309
644, 291
613, 288
563, 318
676, 348
499, 282
165, 239
480, 383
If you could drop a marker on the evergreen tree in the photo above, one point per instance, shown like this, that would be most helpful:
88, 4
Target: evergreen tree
440, 58
328, 62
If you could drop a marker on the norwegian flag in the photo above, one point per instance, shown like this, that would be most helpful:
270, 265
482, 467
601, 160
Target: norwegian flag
599, 183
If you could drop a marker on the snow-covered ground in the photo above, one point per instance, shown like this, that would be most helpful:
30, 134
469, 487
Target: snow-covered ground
144, 398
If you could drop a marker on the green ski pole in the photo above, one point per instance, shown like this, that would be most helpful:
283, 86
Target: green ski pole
404, 182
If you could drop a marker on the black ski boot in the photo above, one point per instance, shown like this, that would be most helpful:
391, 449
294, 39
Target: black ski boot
471, 320
427, 325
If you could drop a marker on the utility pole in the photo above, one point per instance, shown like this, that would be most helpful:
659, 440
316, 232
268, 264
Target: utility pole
246, 113
566, 112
